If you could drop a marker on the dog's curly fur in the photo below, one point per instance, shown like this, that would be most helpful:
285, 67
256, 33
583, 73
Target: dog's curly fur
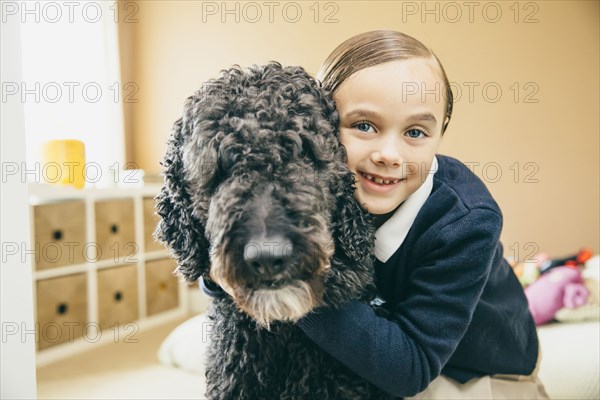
256, 157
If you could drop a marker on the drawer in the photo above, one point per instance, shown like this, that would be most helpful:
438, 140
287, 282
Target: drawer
115, 230
150, 222
162, 288
59, 232
61, 310
117, 296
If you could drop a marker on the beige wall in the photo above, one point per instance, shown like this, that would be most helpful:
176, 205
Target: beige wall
547, 131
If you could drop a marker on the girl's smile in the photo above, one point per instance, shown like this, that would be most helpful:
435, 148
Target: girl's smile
377, 183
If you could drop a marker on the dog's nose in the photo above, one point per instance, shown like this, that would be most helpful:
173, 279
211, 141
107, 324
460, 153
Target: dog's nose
268, 255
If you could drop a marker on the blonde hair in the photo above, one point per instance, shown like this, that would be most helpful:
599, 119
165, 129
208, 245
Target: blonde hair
373, 48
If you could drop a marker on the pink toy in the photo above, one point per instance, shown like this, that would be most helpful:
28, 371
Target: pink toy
558, 288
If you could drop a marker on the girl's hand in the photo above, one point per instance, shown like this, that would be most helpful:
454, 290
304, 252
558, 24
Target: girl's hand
379, 306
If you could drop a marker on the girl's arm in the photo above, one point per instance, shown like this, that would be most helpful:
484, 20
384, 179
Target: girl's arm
402, 356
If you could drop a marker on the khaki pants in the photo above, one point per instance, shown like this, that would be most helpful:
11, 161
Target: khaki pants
521, 387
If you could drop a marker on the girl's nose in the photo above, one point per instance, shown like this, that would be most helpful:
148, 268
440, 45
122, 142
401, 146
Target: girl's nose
387, 153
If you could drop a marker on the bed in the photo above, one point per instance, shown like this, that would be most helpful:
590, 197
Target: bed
569, 370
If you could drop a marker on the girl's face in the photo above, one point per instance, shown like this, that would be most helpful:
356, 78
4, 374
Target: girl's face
391, 118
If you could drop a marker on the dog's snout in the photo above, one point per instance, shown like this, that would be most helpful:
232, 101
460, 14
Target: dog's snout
268, 255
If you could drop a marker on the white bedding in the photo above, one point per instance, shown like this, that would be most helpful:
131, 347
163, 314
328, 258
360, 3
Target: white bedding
569, 370
570, 360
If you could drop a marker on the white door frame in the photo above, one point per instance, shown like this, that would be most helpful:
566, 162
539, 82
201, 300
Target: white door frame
17, 346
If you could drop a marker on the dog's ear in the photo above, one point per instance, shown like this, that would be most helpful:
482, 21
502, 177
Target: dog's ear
319, 132
353, 226
181, 229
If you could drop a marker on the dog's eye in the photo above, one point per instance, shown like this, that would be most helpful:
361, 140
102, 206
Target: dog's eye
226, 163
227, 159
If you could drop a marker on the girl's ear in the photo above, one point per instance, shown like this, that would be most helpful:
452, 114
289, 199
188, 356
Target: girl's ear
180, 229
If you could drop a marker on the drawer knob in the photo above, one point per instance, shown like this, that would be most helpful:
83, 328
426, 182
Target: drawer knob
114, 228
62, 308
118, 296
162, 286
57, 234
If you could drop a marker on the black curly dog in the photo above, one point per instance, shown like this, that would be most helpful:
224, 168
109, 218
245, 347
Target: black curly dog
258, 199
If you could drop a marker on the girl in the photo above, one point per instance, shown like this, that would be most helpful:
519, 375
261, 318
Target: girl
459, 324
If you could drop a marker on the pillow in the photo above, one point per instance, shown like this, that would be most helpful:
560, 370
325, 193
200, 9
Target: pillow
186, 346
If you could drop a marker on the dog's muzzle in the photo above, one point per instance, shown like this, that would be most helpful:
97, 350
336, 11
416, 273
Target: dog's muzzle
272, 279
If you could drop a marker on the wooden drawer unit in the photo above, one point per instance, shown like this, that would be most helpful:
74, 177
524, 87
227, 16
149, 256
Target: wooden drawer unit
59, 234
117, 296
61, 309
115, 229
150, 222
162, 288
90, 273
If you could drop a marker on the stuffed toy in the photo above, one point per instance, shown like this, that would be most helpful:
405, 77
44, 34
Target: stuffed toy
591, 310
576, 259
529, 271
560, 287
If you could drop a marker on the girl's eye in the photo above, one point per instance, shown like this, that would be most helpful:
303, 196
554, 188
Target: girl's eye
363, 126
415, 133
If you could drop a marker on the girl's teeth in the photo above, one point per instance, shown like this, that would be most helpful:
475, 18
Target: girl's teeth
379, 180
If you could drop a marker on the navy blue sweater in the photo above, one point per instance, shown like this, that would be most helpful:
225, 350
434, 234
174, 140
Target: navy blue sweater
457, 308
